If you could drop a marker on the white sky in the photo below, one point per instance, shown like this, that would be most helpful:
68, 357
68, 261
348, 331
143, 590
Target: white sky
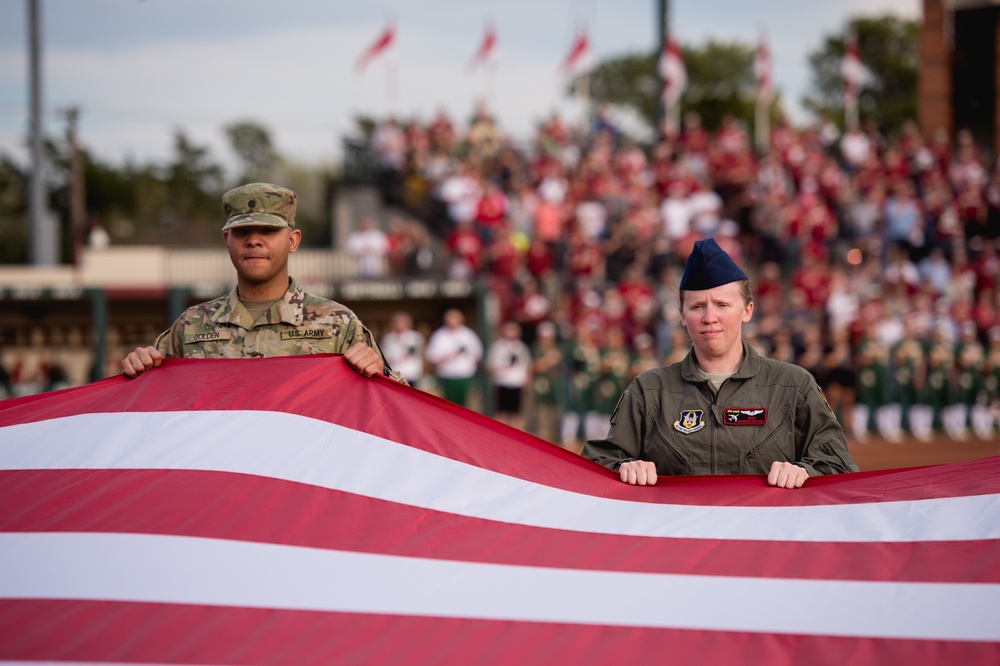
139, 69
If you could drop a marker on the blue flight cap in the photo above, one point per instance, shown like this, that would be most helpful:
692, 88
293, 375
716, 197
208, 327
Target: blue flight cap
709, 266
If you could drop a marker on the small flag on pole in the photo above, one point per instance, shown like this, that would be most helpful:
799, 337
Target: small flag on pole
579, 58
673, 72
854, 75
487, 51
382, 43
765, 93
763, 70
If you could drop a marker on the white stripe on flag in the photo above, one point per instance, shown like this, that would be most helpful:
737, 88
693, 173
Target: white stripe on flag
306, 450
189, 570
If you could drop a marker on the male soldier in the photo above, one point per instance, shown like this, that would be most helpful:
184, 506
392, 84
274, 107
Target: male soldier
266, 313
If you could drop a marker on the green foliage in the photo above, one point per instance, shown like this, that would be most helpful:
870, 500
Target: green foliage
312, 214
194, 182
175, 203
252, 144
888, 48
628, 81
13, 213
720, 81
365, 124
109, 189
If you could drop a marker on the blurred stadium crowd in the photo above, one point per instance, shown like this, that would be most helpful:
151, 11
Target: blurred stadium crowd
874, 258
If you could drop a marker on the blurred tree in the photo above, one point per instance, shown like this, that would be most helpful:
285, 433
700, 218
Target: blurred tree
365, 124
194, 182
57, 159
627, 81
13, 213
178, 203
312, 214
720, 82
252, 144
888, 48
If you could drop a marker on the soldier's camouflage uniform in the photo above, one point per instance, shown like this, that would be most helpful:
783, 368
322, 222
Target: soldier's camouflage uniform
300, 323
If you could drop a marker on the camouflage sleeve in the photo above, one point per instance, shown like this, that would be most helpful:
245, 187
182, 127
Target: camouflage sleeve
357, 332
169, 342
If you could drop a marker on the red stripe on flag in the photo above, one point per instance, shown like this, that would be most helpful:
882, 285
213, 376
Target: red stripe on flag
240, 511
251, 508
167, 633
302, 385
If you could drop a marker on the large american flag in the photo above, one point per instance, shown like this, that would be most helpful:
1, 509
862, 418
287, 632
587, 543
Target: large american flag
288, 510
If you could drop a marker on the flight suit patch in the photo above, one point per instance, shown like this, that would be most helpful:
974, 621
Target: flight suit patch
745, 416
691, 420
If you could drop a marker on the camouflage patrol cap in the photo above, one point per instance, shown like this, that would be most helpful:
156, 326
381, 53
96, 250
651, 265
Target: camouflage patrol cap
259, 205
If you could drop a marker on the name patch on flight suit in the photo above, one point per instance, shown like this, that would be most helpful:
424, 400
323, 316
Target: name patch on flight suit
691, 420
209, 336
296, 333
746, 416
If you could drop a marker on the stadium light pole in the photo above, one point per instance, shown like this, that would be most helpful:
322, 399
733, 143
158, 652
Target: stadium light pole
43, 244
663, 15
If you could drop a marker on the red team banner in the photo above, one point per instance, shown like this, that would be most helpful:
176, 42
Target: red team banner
287, 510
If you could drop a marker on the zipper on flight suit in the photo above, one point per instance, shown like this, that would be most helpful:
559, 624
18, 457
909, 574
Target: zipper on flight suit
715, 428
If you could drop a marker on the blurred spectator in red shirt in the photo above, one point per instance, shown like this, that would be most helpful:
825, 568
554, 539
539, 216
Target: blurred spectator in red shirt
538, 259
584, 257
491, 211
465, 250
531, 308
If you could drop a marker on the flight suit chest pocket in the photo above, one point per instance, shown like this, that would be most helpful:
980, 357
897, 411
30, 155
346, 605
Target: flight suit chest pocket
663, 447
774, 440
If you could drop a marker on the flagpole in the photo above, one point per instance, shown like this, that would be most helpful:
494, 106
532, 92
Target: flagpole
490, 82
761, 128
852, 82
665, 113
765, 87
674, 117
391, 87
583, 92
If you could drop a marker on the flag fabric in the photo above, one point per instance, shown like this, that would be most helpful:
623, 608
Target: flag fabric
579, 59
486, 53
288, 510
382, 44
763, 71
852, 71
673, 73
765, 93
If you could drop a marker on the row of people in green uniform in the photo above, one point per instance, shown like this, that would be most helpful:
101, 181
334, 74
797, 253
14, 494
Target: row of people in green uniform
922, 386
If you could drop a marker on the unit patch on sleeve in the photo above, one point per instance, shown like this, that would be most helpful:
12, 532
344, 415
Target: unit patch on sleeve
746, 416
